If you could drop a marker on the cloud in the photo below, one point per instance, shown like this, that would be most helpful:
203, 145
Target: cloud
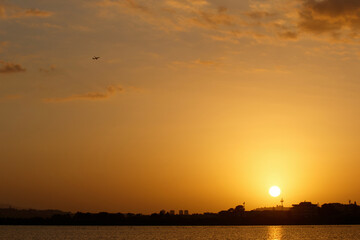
3, 45
6, 68
276, 19
35, 13
173, 15
274, 69
8, 11
288, 35
341, 19
52, 68
10, 97
264, 21
198, 63
136, 6
333, 8
214, 19
291, 19
259, 14
90, 96
130, 6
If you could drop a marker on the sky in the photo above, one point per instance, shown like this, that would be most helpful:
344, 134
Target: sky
194, 104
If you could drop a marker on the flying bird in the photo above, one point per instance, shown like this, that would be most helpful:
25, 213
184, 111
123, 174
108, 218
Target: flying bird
95, 58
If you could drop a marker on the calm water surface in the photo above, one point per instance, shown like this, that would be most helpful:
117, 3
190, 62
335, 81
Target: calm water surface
177, 233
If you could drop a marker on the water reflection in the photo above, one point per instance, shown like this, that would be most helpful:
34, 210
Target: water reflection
275, 233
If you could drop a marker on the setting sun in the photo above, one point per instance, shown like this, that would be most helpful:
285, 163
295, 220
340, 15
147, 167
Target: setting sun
274, 191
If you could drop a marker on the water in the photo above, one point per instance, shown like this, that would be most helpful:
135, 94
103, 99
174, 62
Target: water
179, 233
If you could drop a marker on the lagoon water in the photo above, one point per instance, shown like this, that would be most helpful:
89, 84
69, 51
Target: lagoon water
179, 233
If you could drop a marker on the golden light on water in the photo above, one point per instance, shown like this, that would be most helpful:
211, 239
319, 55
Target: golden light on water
274, 191
275, 233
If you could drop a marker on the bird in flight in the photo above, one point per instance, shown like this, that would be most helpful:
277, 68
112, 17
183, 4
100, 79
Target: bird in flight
95, 58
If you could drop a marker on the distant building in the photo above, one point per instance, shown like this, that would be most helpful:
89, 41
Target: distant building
162, 212
277, 208
172, 212
181, 212
186, 212
339, 209
305, 209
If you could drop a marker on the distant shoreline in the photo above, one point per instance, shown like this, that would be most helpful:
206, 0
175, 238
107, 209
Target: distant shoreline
304, 213
254, 225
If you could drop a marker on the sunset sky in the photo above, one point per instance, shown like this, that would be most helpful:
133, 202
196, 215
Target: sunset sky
194, 104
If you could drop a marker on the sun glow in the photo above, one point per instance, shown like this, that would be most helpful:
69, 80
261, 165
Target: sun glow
274, 191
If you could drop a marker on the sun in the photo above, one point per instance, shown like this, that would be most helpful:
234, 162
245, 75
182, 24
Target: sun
274, 191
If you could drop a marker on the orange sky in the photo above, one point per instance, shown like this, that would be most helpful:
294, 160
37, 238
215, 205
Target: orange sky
194, 104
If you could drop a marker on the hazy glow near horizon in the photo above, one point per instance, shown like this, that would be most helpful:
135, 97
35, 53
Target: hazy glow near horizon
274, 191
195, 105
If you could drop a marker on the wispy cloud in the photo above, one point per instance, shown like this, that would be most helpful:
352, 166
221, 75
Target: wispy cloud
10, 97
195, 63
273, 69
330, 16
9, 11
3, 45
50, 69
277, 19
288, 35
7, 68
174, 15
332, 19
264, 21
90, 96
107, 7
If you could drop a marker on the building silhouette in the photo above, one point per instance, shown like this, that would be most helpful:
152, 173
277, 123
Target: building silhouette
305, 209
